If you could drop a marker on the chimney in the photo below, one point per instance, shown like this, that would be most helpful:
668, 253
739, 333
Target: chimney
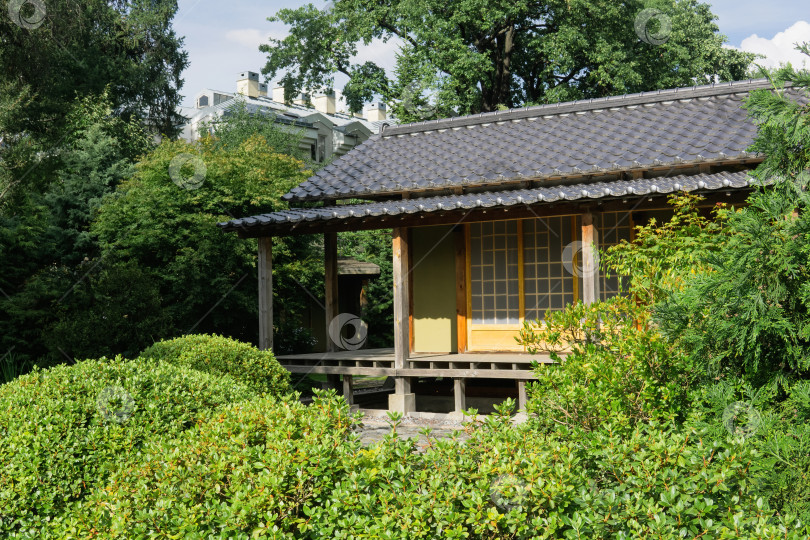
375, 112
248, 84
302, 100
262, 89
325, 102
278, 94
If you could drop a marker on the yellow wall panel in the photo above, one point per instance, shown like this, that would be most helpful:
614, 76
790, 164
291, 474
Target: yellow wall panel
434, 289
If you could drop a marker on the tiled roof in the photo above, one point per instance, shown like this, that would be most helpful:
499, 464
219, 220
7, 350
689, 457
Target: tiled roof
289, 219
609, 135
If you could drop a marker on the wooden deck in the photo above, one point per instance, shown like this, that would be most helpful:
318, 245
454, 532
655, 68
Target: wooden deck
380, 362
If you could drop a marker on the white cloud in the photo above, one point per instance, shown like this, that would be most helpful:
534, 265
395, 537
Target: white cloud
247, 37
781, 48
381, 53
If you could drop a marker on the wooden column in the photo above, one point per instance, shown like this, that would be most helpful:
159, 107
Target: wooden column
402, 400
459, 394
266, 293
590, 261
461, 288
331, 280
521, 396
348, 389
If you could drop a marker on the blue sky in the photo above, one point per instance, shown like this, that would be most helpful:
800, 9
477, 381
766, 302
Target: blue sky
222, 38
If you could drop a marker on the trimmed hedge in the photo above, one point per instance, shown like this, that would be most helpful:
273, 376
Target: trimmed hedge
268, 469
220, 355
63, 431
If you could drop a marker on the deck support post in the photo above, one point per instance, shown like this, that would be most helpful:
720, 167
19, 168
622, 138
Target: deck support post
459, 395
590, 260
331, 282
521, 396
402, 400
348, 389
265, 268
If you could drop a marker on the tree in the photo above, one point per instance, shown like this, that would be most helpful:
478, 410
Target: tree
164, 220
749, 314
62, 49
469, 56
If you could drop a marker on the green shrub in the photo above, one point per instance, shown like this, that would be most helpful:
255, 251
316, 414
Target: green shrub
217, 354
775, 421
270, 469
253, 466
617, 369
63, 431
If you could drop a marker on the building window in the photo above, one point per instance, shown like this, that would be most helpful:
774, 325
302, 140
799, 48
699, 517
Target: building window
549, 282
202, 101
613, 227
494, 272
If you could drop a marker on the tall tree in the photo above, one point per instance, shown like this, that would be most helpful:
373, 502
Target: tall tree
750, 313
64, 48
467, 56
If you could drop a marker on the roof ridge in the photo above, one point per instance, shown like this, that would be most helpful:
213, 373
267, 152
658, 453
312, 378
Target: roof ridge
582, 105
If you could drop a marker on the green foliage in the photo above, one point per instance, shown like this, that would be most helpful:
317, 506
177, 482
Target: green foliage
771, 420
375, 247
266, 468
204, 275
472, 56
749, 315
663, 257
82, 48
612, 367
64, 431
256, 369
241, 122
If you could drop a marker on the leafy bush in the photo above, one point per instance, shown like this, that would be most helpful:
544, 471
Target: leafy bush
773, 420
220, 355
63, 431
251, 469
617, 369
270, 469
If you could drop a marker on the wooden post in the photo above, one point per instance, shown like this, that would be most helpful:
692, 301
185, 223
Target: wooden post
348, 389
459, 394
521, 396
331, 281
590, 260
402, 400
266, 293
461, 288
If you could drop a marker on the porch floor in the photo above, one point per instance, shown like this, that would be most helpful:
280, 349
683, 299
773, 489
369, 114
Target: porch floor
380, 362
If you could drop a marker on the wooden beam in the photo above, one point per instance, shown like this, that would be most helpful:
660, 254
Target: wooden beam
401, 297
402, 400
590, 261
410, 293
461, 288
348, 389
331, 281
266, 293
521, 395
459, 394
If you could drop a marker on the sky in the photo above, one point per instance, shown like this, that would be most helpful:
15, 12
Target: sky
222, 39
